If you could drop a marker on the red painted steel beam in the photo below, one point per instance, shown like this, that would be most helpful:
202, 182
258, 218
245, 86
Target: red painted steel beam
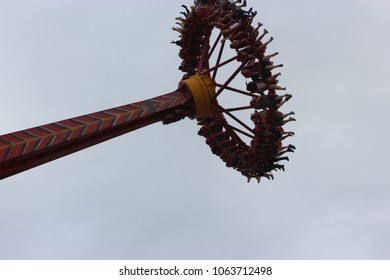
23, 150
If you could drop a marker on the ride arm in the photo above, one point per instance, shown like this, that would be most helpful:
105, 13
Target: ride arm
23, 150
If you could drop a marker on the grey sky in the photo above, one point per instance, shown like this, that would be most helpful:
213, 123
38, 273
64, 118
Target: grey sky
159, 193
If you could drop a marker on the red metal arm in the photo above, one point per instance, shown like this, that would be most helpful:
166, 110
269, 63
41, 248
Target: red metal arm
22, 150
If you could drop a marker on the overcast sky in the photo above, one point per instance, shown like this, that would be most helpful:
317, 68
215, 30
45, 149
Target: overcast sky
158, 192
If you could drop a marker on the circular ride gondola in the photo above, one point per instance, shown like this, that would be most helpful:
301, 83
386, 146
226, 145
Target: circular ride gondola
228, 86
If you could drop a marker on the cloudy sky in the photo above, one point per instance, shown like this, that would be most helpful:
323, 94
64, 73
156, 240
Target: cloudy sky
159, 193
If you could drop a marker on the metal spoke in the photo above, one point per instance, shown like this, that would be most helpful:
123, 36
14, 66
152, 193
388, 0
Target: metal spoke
219, 59
221, 119
241, 131
237, 90
236, 119
239, 108
232, 129
219, 65
231, 78
215, 44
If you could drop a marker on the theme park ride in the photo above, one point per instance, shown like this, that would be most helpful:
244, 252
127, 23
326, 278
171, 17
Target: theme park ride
207, 31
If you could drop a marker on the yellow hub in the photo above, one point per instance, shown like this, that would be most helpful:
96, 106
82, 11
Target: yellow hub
203, 91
